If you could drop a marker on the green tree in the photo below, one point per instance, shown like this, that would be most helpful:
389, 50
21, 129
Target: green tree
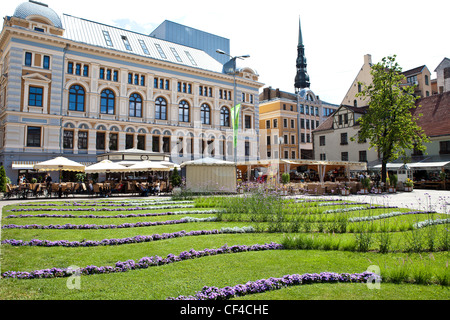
389, 124
175, 179
2, 179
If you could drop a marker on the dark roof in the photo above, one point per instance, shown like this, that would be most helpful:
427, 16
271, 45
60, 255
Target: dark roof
326, 125
436, 114
413, 71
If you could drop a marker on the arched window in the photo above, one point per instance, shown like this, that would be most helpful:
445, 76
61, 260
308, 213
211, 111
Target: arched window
224, 117
183, 111
107, 102
161, 108
76, 98
135, 105
205, 114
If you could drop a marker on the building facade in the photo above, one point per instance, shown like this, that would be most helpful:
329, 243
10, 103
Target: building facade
288, 119
337, 138
74, 87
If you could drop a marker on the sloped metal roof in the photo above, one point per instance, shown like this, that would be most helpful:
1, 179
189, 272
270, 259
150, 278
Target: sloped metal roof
34, 8
93, 33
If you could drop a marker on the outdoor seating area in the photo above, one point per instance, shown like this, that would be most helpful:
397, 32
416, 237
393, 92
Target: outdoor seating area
102, 189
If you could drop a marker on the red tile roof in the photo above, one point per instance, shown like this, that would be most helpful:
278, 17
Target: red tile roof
436, 114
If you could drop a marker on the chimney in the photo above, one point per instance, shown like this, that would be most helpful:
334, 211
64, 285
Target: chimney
368, 59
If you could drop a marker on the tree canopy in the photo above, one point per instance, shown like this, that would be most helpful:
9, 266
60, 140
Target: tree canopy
388, 124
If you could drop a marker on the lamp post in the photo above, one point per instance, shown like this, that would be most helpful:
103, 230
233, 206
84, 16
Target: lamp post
234, 88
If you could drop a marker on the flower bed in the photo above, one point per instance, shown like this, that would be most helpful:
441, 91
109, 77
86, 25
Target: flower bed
387, 215
263, 285
100, 209
143, 263
113, 242
131, 215
107, 226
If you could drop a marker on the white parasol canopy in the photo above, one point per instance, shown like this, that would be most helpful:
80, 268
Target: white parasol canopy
148, 166
106, 166
59, 164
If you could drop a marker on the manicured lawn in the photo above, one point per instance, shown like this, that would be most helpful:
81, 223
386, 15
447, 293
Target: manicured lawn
407, 275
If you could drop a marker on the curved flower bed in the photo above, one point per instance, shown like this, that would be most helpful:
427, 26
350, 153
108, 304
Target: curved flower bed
130, 215
387, 215
358, 208
107, 226
143, 263
100, 203
100, 209
426, 223
263, 285
115, 242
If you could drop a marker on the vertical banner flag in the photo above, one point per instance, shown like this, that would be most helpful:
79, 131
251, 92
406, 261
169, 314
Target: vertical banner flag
235, 122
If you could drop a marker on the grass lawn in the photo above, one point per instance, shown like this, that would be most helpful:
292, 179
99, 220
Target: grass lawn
407, 274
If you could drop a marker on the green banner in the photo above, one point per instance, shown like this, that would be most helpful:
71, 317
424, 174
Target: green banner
235, 122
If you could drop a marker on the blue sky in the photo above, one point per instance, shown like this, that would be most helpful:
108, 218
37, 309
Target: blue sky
336, 34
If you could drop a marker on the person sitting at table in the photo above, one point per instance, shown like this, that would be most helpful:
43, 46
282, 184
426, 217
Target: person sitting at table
157, 190
144, 190
118, 188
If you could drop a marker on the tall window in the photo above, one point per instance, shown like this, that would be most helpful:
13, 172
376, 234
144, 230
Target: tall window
46, 64
161, 108
129, 141
344, 138
155, 144
135, 105
68, 139
33, 136
344, 156
100, 141
183, 111
113, 141
205, 113
225, 117
76, 98
35, 96
141, 142
28, 57
107, 102
82, 140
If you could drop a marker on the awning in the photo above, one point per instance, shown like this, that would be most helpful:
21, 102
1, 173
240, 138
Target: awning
429, 165
23, 165
394, 166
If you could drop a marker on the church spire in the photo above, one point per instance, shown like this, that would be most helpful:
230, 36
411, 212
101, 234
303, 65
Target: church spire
302, 77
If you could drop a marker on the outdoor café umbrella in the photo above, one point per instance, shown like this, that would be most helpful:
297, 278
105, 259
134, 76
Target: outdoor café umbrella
106, 166
59, 164
147, 165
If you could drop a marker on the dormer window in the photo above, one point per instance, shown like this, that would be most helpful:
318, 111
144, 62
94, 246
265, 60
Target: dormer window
39, 29
107, 38
126, 43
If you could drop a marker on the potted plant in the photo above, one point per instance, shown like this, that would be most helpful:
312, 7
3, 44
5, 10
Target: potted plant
175, 179
285, 179
366, 185
393, 184
345, 190
409, 184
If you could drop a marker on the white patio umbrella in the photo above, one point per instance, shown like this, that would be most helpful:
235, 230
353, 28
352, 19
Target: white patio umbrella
59, 164
148, 166
106, 166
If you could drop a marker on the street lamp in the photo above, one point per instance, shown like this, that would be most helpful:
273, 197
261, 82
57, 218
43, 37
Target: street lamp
234, 88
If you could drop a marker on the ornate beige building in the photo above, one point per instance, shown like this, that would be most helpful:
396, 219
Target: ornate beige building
78, 88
